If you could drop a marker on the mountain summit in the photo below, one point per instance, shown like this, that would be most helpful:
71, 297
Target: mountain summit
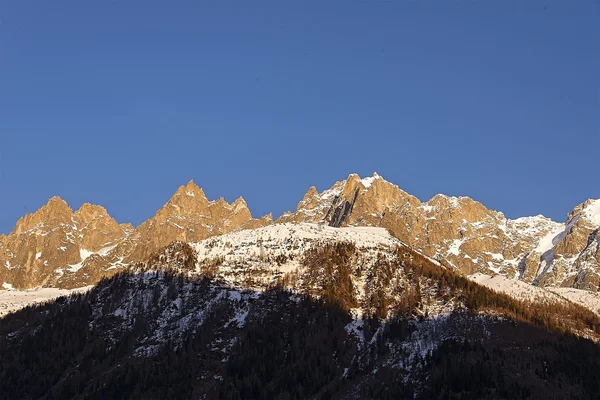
464, 233
58, 247
54, 239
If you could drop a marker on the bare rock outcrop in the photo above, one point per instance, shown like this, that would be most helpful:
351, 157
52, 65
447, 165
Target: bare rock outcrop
58, 247
464, 233
54, 239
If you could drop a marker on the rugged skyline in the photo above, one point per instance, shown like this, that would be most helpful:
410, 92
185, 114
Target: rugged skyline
101, 106
58, 247
131, 267
282, 208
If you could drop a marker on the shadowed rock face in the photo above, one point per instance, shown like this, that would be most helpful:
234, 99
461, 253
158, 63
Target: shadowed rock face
58, 247
465, 233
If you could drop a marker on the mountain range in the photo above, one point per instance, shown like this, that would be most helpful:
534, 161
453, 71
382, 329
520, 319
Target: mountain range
296, 311
56, 247
361, 292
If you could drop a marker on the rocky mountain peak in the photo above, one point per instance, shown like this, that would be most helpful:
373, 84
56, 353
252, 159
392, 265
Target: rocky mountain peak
355, 182
189, 190
52, 244
55, 206
221, 202
239, 204
187, 199
188, 217
355, 200
89, 212
268, 218
353, 178
312, 192
589, 211
192, 189
55, 212
57, 202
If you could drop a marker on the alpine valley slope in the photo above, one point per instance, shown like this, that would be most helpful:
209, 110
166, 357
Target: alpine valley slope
297, 311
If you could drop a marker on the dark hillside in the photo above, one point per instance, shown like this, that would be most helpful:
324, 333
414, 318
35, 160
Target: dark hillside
163, 335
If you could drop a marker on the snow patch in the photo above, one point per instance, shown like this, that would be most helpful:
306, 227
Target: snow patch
591, 213
455, 247
367, 182
585, 298
13, 300
495, 256
83, 254
356, 328
548, 243
426, 208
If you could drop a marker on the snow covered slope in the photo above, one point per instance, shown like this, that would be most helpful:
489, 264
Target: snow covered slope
12, 300
258, 259
526, 292
584, 298
262, 257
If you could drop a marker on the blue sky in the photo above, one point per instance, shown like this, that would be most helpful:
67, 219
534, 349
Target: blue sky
119, 103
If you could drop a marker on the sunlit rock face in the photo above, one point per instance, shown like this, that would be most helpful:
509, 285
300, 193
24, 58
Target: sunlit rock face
464, 233
55, 238
58, 247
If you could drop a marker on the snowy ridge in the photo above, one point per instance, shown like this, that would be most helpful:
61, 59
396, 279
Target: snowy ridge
591, 213
12, 300
368, 181
258, 259
248, 258
285, 238
585, 298
526, 292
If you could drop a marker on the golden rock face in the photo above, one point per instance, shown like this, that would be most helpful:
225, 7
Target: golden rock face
58, 247
464, 232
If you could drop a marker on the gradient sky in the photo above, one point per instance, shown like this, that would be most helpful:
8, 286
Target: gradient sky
119, 103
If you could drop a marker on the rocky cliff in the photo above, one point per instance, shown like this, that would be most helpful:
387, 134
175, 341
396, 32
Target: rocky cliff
54, 239
464, 233
58, 247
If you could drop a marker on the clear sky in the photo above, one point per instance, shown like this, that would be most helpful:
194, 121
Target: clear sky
119, 103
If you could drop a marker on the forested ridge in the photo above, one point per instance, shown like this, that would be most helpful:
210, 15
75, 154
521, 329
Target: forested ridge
163, 333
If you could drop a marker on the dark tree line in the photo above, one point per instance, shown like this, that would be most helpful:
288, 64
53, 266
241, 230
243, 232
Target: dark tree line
292, 347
